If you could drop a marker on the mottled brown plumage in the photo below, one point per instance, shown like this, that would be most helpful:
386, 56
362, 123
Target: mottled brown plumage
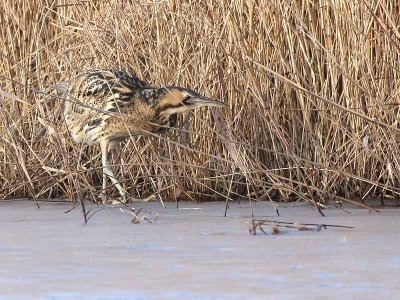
108, 106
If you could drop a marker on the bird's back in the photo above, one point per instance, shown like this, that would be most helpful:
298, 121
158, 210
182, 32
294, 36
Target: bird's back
95, 98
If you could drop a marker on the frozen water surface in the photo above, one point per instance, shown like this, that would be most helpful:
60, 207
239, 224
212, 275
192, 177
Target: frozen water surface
195, 254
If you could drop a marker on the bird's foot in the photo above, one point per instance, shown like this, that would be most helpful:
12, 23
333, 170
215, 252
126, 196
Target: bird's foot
113, 201
152, 197
124, 199
104, 199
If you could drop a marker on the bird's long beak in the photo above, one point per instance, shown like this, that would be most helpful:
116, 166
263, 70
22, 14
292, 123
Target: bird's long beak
203, 101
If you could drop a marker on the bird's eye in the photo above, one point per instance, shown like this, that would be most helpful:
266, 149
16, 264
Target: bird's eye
184, 101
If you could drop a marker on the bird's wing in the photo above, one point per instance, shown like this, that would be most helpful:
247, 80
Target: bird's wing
103, 83
95, 96
130, 79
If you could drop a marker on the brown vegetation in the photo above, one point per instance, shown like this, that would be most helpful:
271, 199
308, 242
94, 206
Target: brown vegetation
313, 90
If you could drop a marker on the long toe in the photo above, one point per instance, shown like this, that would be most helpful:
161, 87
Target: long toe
152, 197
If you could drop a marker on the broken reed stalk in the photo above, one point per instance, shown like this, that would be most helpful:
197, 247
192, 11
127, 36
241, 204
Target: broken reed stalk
305, 224
312, 89
275, 225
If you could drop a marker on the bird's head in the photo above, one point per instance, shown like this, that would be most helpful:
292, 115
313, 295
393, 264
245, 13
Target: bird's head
174, 100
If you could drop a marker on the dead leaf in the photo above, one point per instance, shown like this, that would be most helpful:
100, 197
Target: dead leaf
275, 229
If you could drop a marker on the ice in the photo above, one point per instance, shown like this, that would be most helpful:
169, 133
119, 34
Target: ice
195, 253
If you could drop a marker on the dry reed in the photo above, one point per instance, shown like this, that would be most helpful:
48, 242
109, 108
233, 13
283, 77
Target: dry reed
312, 88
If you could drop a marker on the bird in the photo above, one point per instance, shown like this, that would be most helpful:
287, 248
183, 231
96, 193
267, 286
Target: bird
107, 106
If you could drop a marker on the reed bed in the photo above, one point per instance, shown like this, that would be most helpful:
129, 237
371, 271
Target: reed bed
312, 88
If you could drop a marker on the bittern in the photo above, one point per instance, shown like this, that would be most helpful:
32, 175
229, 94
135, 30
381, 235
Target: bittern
109, 106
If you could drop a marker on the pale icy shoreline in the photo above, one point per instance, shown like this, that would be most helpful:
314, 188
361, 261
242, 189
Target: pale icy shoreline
195, 253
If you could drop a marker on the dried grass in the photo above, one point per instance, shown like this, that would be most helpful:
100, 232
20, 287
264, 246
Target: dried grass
313, 90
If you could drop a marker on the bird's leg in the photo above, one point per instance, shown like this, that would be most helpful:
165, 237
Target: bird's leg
104, 152
103, 194
107, 171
